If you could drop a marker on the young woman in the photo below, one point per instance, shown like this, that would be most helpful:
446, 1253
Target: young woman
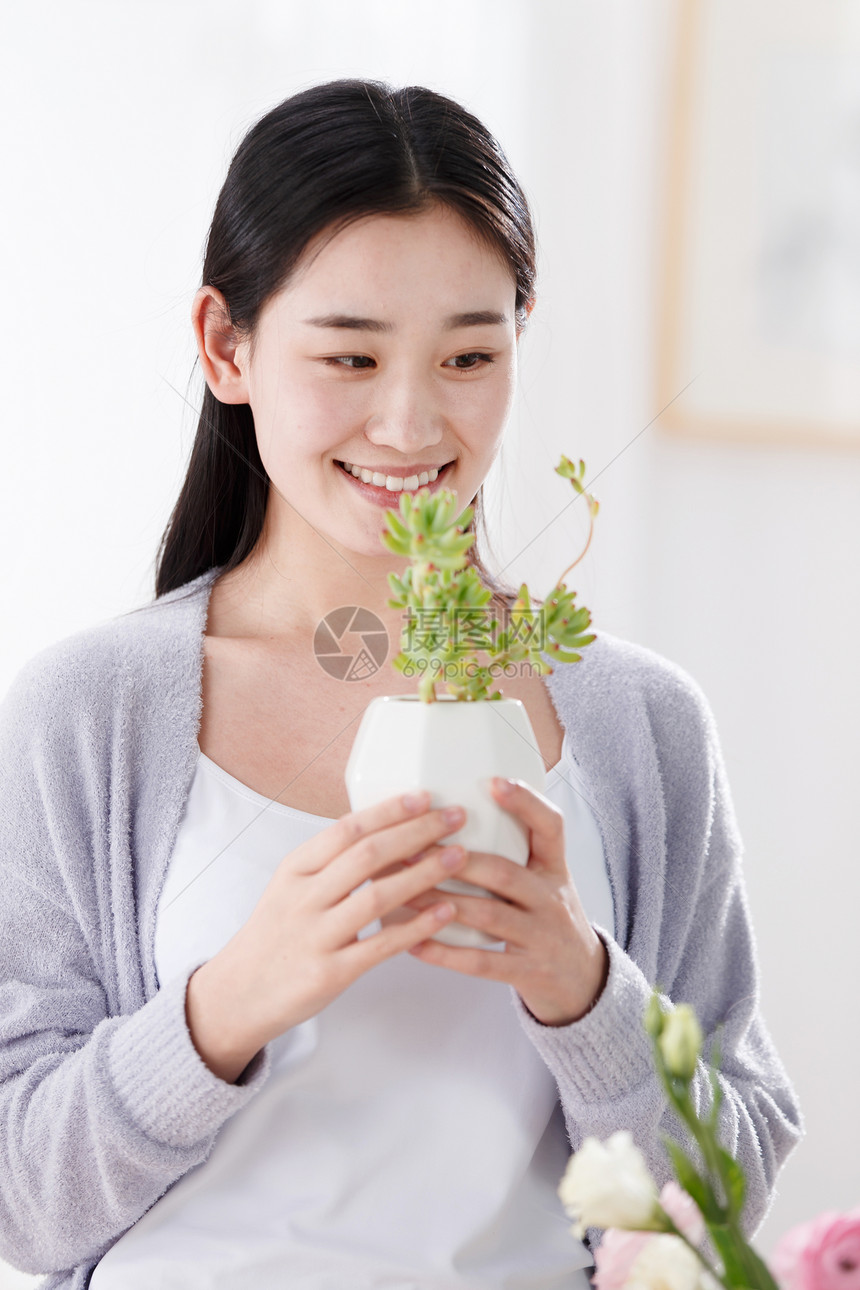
232, 1052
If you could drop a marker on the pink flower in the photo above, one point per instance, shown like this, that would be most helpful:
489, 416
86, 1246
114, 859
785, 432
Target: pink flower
823, 1254
615, 1256
618, 1251
683, 1211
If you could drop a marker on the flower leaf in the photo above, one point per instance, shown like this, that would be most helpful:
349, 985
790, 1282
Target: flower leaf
742, 1266
733, 1180
693, 1183
759, 1274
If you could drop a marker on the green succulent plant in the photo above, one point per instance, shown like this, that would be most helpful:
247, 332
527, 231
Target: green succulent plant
444, 592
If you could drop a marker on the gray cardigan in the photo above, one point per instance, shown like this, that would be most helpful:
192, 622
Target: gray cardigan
104, 1101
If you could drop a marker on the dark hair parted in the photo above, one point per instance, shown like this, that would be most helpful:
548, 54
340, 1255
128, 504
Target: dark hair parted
323, 158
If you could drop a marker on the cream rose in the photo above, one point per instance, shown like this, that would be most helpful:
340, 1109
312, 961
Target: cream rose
607, 1184
666, 1263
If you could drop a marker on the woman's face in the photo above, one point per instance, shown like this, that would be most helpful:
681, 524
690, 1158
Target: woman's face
394, 349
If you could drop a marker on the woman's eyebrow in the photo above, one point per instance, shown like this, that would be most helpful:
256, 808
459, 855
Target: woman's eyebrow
477, 318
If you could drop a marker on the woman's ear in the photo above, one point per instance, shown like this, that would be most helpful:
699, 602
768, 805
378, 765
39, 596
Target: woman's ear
222, 354
529, 306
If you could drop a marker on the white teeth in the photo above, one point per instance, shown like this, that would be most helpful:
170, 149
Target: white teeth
394, 483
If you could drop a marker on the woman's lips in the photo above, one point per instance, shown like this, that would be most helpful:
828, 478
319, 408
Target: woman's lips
382, 496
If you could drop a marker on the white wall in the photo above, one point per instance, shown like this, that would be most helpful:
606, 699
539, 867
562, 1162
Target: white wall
739, 562
118, 122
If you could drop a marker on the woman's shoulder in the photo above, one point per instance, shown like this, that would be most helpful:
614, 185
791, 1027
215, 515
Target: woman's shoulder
621, 691
616, 666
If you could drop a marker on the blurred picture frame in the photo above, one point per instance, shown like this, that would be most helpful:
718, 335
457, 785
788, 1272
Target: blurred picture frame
758, 331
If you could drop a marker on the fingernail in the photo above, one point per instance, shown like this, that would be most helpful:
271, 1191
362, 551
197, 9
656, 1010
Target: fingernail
414, 801
441, 912
451, 857
503, 786
453, 814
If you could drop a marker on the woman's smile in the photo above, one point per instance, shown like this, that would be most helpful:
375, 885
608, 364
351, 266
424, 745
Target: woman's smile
384, 489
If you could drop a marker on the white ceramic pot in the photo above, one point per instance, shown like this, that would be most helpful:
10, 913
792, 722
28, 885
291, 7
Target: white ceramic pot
451, 748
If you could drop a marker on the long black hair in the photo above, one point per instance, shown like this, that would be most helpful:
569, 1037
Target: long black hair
320, 160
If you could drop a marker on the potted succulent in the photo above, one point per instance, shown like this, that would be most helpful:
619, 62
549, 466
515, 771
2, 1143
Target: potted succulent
451, 744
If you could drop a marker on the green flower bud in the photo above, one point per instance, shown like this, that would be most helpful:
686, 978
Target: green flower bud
681, 1042
655, 1017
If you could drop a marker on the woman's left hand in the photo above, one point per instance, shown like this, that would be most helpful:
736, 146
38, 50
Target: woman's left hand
553, 957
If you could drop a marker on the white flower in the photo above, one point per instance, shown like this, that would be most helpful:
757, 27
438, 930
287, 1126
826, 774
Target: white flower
607, 1184
666, 1263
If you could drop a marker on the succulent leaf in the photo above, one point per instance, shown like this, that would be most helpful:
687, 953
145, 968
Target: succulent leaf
428, 532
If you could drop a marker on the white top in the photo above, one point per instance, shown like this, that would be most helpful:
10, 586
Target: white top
409, 1136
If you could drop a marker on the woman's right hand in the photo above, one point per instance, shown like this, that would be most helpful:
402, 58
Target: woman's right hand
298, 950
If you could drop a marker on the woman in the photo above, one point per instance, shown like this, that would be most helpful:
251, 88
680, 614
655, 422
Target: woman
219, 1065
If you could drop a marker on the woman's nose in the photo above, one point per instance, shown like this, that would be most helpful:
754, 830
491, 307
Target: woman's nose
406, 414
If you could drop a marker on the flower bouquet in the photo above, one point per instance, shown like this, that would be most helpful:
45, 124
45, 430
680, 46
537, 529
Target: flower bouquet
689, 1236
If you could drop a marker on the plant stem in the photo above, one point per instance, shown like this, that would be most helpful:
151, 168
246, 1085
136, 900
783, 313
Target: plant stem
581, 555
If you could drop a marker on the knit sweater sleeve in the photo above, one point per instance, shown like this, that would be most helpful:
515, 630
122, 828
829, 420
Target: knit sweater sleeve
102, 1108
687, 930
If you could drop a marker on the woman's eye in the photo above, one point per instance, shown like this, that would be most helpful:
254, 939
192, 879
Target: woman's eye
466, 364
346, 360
